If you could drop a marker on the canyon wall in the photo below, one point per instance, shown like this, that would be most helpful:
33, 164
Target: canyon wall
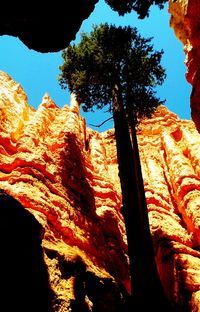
66, 176
185, 19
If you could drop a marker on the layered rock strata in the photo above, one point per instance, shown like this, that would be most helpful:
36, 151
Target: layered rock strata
185, 19
66, 176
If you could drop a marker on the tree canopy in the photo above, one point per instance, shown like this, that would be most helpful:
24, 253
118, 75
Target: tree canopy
108, 56
140, 6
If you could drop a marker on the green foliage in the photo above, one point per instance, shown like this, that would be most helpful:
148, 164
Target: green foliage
111, 56
140, 6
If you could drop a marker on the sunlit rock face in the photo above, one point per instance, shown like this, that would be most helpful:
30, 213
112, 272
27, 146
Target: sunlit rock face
66, 176
185, 19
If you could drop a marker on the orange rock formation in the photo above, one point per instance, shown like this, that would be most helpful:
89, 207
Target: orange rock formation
66, 176
185, 19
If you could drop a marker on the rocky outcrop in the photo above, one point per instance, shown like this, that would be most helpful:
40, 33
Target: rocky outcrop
66, 176
47, 27
185, 19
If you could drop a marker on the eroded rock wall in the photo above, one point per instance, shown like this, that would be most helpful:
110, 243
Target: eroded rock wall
169, 149
66, 176
185, 19
58, 170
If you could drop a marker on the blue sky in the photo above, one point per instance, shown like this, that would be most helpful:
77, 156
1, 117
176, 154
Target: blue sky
37, 73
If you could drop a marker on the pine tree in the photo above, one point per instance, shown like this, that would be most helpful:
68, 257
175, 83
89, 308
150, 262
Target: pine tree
117, 67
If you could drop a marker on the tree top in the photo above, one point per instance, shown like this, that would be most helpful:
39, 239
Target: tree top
110, 56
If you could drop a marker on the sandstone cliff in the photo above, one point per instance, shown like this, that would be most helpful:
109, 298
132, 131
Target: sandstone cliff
66, 176
185, 19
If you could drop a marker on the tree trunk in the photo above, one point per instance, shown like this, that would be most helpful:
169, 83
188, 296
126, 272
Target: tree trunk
147, 291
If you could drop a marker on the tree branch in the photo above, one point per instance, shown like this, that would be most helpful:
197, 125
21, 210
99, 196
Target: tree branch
98, 126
